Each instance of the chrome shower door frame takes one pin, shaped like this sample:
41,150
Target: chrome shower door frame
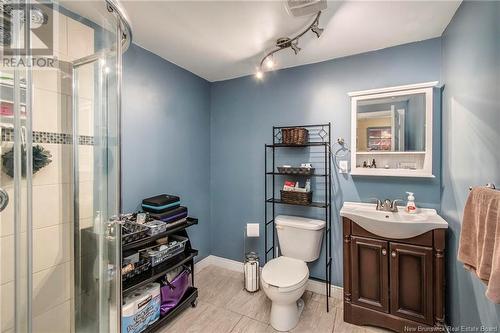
106,233
20,200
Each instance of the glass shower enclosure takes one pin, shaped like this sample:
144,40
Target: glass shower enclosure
60,93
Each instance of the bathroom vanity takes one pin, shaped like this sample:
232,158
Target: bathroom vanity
393,267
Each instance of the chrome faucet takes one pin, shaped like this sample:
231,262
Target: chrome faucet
387,205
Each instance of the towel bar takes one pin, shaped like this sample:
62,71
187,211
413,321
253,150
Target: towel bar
489,185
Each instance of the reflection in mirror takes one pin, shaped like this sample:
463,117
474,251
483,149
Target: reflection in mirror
394,123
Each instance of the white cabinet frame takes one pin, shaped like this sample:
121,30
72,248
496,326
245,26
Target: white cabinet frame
421,88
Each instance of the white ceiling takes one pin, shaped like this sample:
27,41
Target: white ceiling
219,40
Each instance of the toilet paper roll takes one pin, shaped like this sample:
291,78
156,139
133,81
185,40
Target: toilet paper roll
128,307
252,230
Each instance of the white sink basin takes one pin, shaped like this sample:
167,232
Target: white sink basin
398,225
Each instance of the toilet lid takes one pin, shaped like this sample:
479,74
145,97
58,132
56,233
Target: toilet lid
284,272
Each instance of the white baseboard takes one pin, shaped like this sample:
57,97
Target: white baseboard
232,265
237,266
319,287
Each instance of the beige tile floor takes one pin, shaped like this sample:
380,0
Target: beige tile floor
225,307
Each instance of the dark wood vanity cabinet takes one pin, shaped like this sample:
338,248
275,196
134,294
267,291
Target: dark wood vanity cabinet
393,283
370,278
411,285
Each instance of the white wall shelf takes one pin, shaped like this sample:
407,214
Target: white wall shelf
390,152
390,173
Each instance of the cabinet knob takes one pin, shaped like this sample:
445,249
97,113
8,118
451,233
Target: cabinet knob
393,254
384,252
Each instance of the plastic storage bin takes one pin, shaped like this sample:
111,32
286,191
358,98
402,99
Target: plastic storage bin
131,270
160,253
155,227
132,232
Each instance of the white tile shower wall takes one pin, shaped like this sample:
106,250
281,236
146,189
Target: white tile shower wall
51,287
85,116
52,187
56,319
50,111
7,299
80,39
7,272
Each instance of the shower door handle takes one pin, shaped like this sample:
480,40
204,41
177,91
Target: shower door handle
4,199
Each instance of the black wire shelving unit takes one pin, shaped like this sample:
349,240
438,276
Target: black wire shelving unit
186,258
319,137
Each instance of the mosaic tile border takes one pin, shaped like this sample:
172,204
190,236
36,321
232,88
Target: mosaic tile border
49,137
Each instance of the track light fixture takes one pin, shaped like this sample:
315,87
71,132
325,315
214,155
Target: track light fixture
317,30
269,62
295,47
285,43
259,75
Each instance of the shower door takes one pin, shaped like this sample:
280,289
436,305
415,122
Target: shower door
96,82
96,182
15,179
60,169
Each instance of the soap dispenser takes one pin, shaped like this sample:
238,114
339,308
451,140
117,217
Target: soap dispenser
411,208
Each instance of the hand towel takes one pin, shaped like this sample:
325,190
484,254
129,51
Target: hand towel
479,247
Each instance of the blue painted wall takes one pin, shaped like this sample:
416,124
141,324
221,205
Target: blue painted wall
205,141
243,112
165,137
471,137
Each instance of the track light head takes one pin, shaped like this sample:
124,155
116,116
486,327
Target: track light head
317,30
259,75
269,62
295,47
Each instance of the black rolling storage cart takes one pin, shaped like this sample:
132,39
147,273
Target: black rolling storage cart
154,273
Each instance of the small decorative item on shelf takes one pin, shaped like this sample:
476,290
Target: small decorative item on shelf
295,136
296,170
407,165
141,218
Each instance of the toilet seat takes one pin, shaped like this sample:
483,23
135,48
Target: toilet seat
284,273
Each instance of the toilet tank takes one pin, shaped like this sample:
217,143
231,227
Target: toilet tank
299,237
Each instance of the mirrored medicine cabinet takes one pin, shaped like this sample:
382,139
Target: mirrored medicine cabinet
391,131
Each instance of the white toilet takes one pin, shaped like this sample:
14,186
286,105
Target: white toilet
284,278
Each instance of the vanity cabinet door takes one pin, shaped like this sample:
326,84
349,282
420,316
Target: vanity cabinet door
411,282
370,281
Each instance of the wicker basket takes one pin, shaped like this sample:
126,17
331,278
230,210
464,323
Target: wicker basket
296,171
295,136
296,198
